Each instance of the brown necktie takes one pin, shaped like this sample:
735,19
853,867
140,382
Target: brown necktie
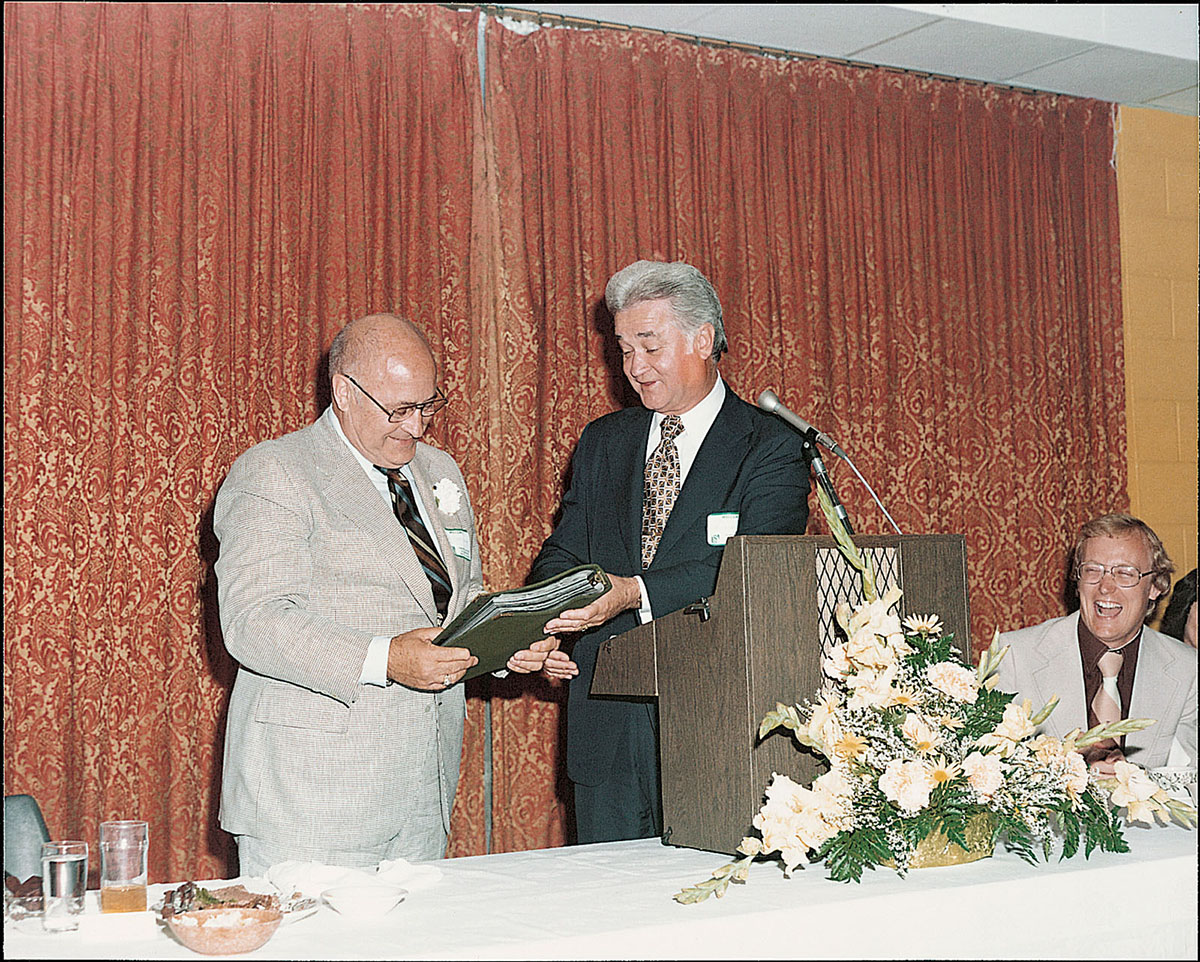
405,507
1107,703
661,487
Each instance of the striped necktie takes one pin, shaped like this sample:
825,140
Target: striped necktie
405,506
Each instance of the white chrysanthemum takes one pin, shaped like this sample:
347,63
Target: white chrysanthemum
984,773
943,771
924,739
955,680
908,784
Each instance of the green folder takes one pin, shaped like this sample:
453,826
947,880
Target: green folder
496,626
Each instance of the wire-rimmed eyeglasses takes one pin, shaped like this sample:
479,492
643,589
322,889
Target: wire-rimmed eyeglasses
1126,576
427,409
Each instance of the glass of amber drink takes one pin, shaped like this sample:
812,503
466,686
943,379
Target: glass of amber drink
123,849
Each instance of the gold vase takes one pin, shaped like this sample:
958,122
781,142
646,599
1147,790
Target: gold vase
935,850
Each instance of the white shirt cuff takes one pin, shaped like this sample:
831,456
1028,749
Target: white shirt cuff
374,669
644,612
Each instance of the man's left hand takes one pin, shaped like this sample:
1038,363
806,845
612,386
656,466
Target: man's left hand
532,658
626,593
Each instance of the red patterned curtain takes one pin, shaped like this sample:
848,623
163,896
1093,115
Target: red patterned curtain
928,270
197,197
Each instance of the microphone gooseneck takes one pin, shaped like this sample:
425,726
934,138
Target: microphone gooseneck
769,402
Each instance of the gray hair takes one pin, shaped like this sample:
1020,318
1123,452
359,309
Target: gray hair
692,297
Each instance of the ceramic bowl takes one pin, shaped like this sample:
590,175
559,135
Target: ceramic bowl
225,931
364,900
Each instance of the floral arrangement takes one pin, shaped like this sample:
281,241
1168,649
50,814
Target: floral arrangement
922,748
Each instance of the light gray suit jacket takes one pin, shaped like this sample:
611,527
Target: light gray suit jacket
1044,661
312,565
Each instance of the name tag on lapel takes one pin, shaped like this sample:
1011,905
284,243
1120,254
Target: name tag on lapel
721,527
460,542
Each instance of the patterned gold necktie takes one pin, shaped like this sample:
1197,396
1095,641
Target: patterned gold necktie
405,507
1107,703
661,487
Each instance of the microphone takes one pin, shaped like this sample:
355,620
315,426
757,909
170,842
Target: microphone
769,401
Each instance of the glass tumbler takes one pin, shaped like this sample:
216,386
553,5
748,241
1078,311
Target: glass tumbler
64,882
124,846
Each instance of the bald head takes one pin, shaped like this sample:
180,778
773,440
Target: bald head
377,364
366,339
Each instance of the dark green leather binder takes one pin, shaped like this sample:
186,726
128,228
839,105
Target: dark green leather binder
493,627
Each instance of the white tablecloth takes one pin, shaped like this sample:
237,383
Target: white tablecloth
614,901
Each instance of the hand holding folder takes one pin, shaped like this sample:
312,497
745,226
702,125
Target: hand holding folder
495,626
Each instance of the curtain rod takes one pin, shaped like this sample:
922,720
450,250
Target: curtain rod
546,19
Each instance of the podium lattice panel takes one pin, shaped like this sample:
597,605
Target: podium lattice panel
838,581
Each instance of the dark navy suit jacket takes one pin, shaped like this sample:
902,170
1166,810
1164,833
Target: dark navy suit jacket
750,463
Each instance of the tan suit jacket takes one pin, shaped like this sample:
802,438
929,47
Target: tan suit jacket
1044,661
312,565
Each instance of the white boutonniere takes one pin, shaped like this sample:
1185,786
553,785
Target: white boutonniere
448,497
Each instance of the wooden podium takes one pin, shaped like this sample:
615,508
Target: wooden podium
717,667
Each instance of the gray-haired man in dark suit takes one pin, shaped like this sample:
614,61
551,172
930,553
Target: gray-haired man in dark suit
655,493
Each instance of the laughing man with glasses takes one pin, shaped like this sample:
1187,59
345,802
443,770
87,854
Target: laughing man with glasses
1105,660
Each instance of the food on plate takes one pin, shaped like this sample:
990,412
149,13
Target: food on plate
190,897
30,888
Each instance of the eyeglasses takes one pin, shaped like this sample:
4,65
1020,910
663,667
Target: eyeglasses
427,408
1126,576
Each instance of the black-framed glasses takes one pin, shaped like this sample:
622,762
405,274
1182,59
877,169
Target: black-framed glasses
427,408
1126,576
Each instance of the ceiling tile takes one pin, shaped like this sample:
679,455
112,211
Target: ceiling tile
977,50
1180,102
828,30
1109,73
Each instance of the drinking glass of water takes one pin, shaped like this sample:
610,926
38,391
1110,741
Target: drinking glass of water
64,882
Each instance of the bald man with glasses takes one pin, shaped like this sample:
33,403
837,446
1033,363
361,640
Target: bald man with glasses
1103,662
344,547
